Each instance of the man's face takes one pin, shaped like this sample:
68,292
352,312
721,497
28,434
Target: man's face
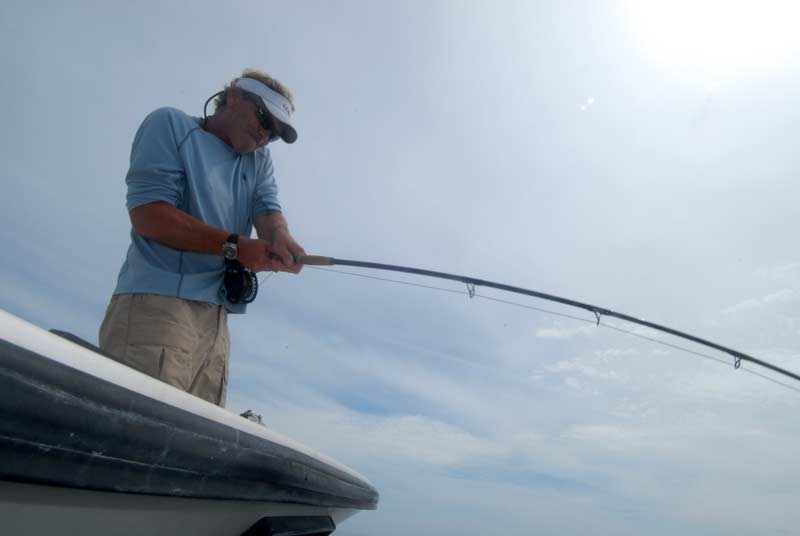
245,130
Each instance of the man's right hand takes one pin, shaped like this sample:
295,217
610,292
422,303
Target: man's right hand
256,254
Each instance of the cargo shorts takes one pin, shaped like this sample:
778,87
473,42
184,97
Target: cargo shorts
181,342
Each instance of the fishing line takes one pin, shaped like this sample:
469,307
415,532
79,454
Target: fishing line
524,306
563,315
453,291
597,311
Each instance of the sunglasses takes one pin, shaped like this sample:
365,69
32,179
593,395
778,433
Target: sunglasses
268,122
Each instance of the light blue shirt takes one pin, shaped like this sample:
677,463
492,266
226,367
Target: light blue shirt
176,161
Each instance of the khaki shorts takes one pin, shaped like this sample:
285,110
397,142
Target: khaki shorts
181,342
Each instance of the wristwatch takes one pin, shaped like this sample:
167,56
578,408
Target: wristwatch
230,249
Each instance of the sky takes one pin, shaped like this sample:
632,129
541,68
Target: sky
638,156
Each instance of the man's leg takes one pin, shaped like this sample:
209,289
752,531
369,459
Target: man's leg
210,380
181,342
152,334
114,329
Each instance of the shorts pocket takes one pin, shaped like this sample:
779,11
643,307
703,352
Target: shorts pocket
161,338
175,367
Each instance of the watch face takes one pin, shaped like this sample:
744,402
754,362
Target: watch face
229,250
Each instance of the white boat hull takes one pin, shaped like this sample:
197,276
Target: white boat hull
35,510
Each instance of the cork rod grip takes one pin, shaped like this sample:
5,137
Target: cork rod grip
315,260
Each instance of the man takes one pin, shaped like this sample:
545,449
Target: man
196,189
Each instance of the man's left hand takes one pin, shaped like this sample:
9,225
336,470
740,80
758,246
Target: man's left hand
283,251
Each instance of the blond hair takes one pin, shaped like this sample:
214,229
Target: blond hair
262,77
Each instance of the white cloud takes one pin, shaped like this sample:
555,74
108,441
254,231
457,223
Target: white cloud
614,352
357,437
779,272
563,333
424,440
573,383
780,296
578,365
611,437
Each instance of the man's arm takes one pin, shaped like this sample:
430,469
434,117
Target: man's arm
163,223
273,228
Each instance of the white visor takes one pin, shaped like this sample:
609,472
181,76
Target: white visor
277,104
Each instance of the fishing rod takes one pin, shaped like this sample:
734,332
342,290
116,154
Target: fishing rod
599,312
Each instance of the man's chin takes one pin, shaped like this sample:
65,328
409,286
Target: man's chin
244,148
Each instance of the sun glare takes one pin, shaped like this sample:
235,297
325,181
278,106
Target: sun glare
716,37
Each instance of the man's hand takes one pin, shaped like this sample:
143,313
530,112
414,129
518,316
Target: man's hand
273,229
284,249
257,255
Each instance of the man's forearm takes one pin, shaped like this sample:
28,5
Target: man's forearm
175,228
267,224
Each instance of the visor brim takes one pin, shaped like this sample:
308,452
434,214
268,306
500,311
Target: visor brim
288,133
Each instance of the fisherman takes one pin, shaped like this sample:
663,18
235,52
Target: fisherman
196,189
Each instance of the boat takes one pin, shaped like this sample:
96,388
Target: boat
89,446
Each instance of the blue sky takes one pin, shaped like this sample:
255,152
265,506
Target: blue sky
638,158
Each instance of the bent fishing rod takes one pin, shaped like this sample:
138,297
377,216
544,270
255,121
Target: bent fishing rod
599,312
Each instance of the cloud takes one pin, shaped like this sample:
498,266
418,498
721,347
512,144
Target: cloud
781,296
614,352
577,365
519,476
563,333
356,437
612,437
632,409
778,272
425,440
